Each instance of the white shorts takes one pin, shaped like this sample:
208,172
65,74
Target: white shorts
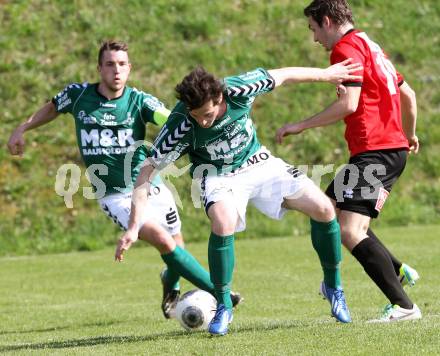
263,180
161,208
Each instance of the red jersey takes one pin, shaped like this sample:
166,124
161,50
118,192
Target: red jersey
376,124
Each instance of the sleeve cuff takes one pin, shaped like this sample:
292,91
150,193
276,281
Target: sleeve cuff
352,84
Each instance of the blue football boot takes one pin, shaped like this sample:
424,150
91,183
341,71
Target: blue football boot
219,324
337,301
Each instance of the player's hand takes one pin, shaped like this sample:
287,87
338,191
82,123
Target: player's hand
413,144
343,71
288,129
124,243
16,143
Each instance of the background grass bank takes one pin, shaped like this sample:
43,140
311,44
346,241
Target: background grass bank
46,45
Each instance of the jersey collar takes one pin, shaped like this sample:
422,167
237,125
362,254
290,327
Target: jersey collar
348,32
106,99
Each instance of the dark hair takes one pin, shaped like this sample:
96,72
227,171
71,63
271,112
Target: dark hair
199,87
337,10
111,46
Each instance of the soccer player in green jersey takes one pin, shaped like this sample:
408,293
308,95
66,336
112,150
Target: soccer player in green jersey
212,124
110,120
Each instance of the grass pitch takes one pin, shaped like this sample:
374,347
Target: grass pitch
84,303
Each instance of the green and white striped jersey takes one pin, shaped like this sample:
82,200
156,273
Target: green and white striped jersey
227,144
110,133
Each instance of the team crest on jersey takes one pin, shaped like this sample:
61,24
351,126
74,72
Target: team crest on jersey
129,120
86,119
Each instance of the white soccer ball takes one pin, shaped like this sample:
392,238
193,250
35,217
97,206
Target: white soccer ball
195,310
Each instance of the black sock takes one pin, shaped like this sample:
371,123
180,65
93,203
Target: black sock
396,263
377,263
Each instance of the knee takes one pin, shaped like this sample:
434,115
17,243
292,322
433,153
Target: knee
325,212
352,235
223,228
347,233
178,238
165,243
223,218
223,224
159,238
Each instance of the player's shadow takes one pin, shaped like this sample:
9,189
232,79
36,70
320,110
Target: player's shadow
117,339
100,340
58,328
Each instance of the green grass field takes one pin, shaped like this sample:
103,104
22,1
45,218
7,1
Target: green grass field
84,303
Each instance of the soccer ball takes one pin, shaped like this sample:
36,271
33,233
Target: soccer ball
195,310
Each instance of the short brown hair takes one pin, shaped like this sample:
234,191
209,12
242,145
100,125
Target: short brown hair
337,10
199,87
111,45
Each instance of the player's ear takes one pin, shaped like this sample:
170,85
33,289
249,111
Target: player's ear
326,22
218,100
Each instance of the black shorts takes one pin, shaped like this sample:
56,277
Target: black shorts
364,184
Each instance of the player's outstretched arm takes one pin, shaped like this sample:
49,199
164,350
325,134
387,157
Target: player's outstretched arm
344,106
16,141
336,74
138,204
408,103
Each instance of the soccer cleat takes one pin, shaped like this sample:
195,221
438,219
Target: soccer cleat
408,275
236,298
337,301
392,313
170,297
219,324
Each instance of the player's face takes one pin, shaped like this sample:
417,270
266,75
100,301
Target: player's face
114,69
209,112
321,34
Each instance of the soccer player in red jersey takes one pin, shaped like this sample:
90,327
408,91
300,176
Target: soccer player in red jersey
380,115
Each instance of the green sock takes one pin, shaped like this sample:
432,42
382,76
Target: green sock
182,262
221,265
171,278
326,240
